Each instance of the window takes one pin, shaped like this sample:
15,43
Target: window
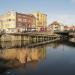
9,19
19,19
24,20
37,14
8,14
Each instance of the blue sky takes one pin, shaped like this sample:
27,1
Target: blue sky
60,10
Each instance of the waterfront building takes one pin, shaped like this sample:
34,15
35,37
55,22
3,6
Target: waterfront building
62,27
25,22
71,28
13,21
41,21
8,21
49,30
0,24
55,26
66,28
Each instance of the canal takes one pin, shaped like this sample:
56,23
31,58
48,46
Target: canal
50,59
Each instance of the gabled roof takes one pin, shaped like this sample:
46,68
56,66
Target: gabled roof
55,23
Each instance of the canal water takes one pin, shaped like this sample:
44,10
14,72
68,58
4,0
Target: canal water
50,59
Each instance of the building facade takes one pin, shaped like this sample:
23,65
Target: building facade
25,22
0,24
8,20
62,28
41,21
55,26
69,28
14,21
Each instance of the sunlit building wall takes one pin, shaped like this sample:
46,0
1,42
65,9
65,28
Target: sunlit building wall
41,21
8,21
11,21
0,24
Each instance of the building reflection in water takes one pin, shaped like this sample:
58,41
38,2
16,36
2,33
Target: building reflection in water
12,53
23,55
13,44
18,44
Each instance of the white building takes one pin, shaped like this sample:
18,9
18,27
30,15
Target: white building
62,27
55,26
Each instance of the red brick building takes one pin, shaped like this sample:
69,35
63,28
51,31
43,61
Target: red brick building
25,22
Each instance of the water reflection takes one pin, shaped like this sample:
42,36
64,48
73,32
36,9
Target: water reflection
20,44
15,54
13,44
23,55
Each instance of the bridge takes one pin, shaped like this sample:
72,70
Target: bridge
66,33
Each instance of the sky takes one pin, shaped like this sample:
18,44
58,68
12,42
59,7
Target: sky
62,11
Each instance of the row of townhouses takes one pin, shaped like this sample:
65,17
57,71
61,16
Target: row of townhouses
20,22
12,22
56,26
